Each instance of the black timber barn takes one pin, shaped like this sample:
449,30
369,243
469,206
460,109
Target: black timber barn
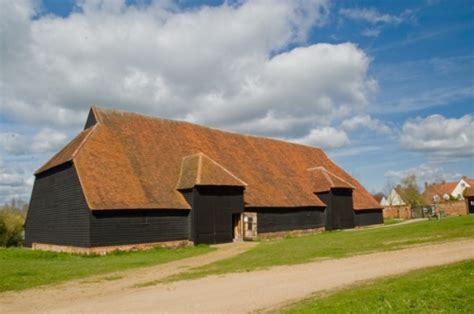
128,180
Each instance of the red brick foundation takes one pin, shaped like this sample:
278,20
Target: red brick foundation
103,250
282,234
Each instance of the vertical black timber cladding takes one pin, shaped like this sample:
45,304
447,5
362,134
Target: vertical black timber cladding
368,217
119,227
58,212
287,219
326,198
342,208
339,213
212,211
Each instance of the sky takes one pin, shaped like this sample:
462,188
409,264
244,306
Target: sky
384,87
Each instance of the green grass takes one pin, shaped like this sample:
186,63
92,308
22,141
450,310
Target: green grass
392,221
447,289
23,268
337,244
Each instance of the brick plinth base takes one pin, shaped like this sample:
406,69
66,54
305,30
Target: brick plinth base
282,234
103,250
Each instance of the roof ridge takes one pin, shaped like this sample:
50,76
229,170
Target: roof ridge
148,116
84,140
199,169
225,169
327,174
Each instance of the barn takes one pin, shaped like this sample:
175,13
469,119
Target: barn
129,180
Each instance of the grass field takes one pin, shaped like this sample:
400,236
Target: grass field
337,244
392,221
22,268
447,289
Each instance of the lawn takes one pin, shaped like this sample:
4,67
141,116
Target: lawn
23,268
337,244
447,289
392,221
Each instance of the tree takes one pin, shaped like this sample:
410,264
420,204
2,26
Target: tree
12,219
410,192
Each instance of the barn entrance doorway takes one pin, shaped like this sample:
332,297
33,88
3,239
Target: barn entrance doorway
215,214
237,227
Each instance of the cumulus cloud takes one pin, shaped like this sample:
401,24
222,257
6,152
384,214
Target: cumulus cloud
425,173
46,140
231,66
371,32
327,137
375,17
225,66
441,137
365,121
15,182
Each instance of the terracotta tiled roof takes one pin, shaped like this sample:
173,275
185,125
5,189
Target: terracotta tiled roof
198,169
469,192
324,180
131,161
469,181
438,189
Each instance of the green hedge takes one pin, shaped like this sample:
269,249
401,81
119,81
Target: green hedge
11,228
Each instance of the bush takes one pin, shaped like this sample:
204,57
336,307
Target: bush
11,228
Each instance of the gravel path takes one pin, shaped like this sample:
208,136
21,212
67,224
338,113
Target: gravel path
110,284
245,292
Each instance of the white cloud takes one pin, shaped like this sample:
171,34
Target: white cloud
327,137
442,138
45,141
15,182
375,17
226,66
13,143
424,173
367,122
222,66
48,140
371,32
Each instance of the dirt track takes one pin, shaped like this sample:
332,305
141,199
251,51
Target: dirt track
243,292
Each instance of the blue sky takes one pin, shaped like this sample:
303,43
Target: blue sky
385,88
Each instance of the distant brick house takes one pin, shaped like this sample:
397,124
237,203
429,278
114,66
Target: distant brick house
448,196
394,206
130,180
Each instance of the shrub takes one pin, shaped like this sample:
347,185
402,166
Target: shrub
11,228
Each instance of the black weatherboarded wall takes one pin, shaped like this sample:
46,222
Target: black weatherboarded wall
58,212
117,227
368,217
339,213
286,219
213,207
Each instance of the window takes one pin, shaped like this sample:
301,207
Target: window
249,223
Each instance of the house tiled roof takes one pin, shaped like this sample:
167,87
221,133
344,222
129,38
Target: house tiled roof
324,180
438,189
469,192
131,161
